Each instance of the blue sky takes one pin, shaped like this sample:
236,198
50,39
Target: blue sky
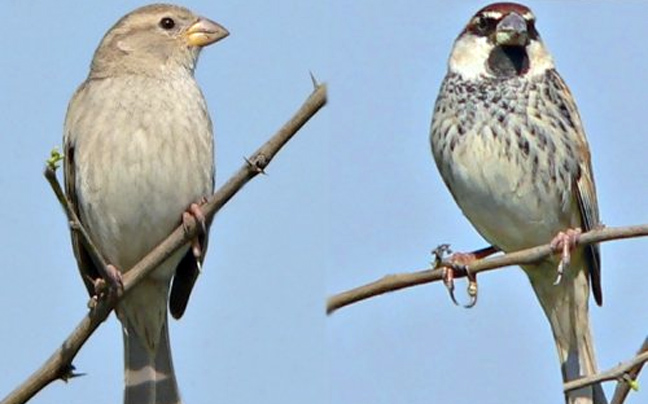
353,197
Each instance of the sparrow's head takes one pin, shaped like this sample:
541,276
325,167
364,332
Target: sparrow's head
500,41
152,38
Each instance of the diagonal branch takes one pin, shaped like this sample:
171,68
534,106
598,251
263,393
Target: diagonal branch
391,283
59,365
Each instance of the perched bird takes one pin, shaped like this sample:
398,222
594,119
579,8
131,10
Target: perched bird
510,145
138,153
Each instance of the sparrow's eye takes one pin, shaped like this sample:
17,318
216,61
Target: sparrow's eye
483,25
167,23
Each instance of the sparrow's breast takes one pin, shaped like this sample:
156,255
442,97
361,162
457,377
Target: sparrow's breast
136,178
499,155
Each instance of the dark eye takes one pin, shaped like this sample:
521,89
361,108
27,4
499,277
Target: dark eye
167,23
483,25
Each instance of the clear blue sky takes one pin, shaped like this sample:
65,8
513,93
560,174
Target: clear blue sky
354,197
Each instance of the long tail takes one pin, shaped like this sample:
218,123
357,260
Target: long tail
566,307
149,376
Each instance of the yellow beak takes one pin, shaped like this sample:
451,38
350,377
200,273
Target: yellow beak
205,32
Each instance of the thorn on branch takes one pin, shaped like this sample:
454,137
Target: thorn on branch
68,372
314,80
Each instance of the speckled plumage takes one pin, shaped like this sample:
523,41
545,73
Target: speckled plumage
509,143
138,152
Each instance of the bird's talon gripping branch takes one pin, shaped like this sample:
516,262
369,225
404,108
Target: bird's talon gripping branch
438,253
195,213
459,263
472,290
115,278
448,281
111,283
565,242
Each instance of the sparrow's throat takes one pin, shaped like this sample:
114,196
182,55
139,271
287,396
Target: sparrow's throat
508,61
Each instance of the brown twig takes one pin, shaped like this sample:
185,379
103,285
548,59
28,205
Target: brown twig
632,372
391,283
59,364
618,372
75,223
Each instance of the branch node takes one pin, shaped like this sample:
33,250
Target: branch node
258,163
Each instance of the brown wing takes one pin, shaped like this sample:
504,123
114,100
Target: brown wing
87,267
185,277
584,188
586,196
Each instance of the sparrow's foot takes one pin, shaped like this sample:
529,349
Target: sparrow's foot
195,213
112,282
565,242
459,263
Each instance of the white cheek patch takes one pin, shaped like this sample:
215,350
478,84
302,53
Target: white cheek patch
469,56
539,58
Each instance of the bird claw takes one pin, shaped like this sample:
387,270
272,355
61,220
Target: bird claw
472,289
448,281
110,283
565,242
460,262
195,213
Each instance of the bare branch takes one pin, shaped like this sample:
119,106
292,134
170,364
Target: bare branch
391,283
58,366
619,372
632,372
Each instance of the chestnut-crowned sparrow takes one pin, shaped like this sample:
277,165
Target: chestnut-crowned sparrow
510,145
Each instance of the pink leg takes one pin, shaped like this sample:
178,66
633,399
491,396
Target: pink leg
195,213
111,282
461,261
565,242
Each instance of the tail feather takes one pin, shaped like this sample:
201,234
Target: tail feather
566,307
149,376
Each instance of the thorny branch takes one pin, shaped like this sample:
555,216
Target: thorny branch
59,365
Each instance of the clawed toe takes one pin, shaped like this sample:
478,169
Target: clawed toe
459,263
448,281
565,242
112,282
194,212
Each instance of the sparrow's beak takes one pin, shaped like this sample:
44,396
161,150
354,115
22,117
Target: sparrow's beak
512,31
205,32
